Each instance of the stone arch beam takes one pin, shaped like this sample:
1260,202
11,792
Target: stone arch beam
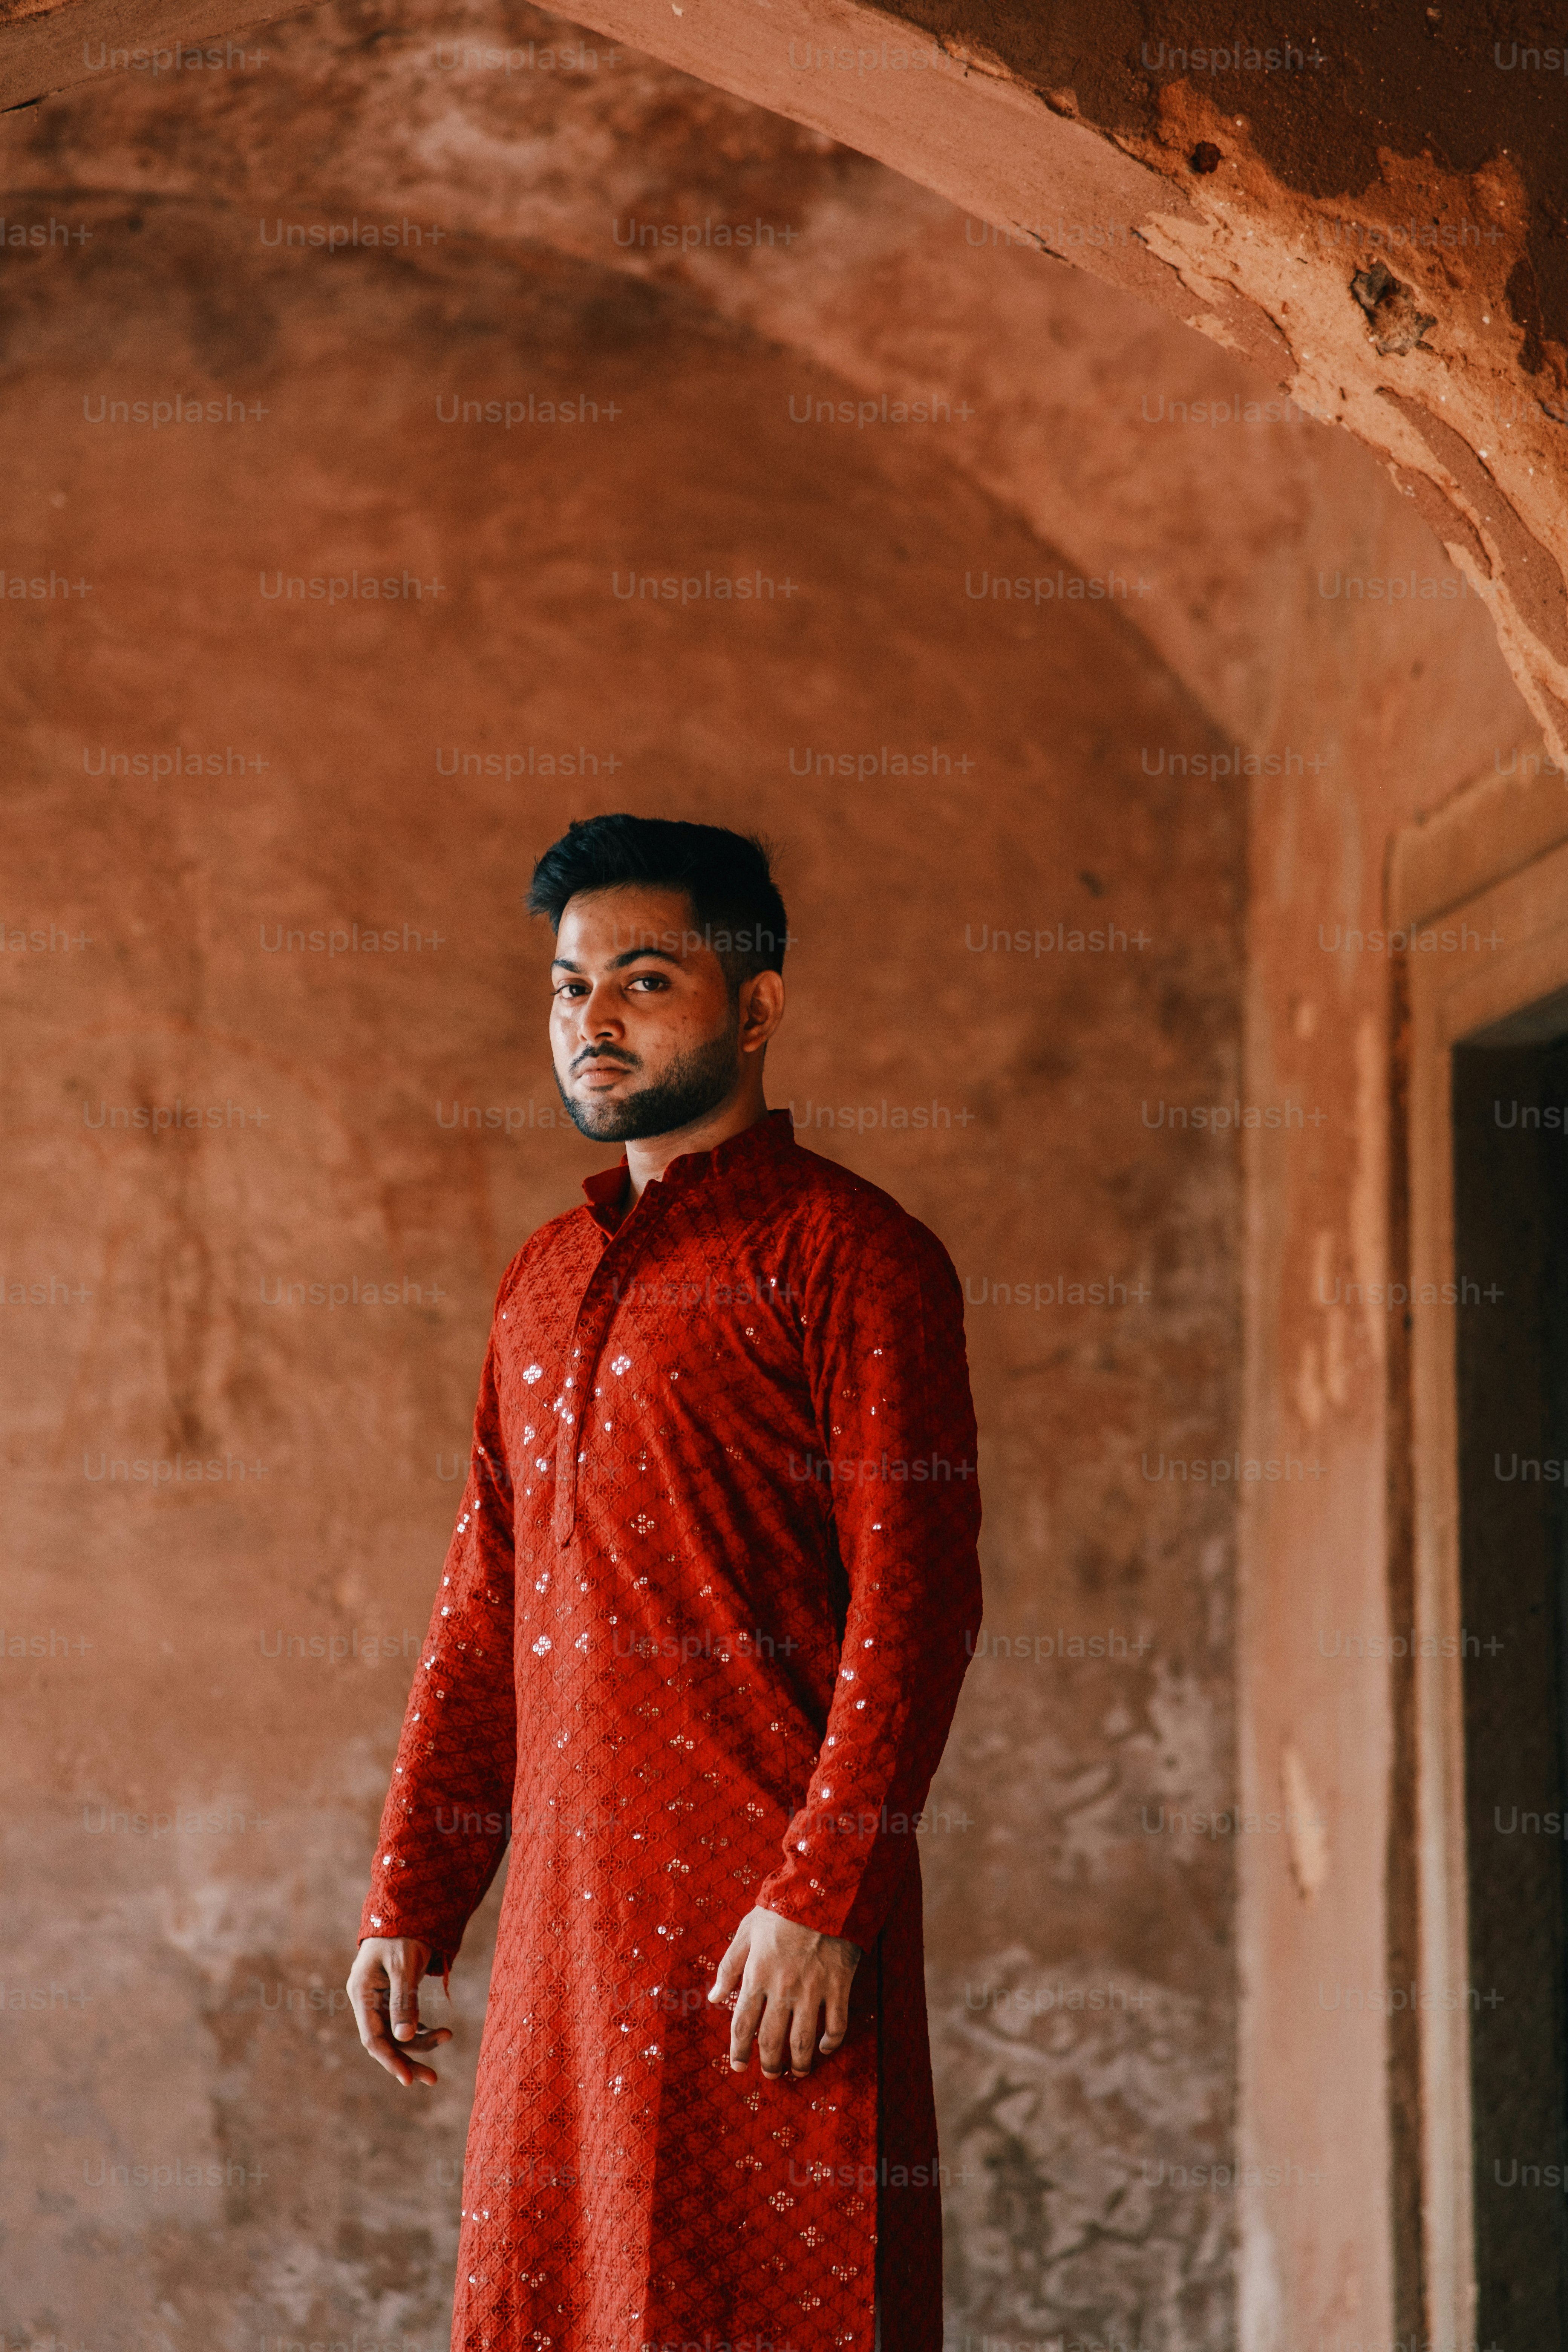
1403,282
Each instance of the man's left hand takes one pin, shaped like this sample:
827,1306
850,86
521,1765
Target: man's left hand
780,1976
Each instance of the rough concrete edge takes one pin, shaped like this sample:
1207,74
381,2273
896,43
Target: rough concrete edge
1402,1879
960,126
986,142
1261,2318
38,45
1482,833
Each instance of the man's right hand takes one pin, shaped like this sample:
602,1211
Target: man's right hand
383,1989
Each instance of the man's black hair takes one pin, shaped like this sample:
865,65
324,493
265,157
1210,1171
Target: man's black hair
727,877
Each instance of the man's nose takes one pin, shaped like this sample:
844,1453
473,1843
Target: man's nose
599,1014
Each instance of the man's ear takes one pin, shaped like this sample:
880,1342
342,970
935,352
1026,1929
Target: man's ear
762,1009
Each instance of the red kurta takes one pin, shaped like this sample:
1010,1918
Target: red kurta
697,1647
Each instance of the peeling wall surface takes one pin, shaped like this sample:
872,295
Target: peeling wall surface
1371,216
1083,677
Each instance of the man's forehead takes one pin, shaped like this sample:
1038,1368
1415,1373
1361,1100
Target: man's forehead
617,925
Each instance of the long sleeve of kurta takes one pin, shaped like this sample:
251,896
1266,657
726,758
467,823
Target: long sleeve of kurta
885,1358
448,1811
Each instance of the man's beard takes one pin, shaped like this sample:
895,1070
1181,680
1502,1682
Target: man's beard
693,1084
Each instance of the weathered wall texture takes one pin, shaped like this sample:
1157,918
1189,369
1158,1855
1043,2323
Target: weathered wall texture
1082,1944
1369,214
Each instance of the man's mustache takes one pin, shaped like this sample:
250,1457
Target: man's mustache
604,1053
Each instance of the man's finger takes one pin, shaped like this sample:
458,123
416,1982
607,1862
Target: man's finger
360,2002
429,2037
370,2012
367,1996
744,2019
732,1967
801,2032
837,2020
395,2056
405,1981
772,2041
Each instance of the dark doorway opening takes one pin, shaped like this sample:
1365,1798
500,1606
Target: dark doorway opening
1510,1273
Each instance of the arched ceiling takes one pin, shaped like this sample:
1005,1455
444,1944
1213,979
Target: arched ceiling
1373,219
1120,439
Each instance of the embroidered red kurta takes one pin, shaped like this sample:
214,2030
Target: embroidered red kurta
702,1625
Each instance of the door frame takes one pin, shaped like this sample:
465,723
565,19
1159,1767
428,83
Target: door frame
1495,862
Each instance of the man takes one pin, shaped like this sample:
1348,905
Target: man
695,1651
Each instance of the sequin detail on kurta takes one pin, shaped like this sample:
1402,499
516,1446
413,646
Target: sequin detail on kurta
699,1635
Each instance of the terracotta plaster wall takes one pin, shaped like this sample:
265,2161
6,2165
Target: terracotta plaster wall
188,1841
1328,1951
1326,1918
1084,432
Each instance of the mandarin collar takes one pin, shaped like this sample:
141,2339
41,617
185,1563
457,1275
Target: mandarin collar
764,1139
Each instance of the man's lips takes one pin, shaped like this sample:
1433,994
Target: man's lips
601,1069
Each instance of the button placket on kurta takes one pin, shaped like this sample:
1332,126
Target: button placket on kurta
597,1312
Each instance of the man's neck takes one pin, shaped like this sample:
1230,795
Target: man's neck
648,1159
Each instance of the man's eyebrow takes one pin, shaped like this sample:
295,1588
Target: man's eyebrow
627,955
